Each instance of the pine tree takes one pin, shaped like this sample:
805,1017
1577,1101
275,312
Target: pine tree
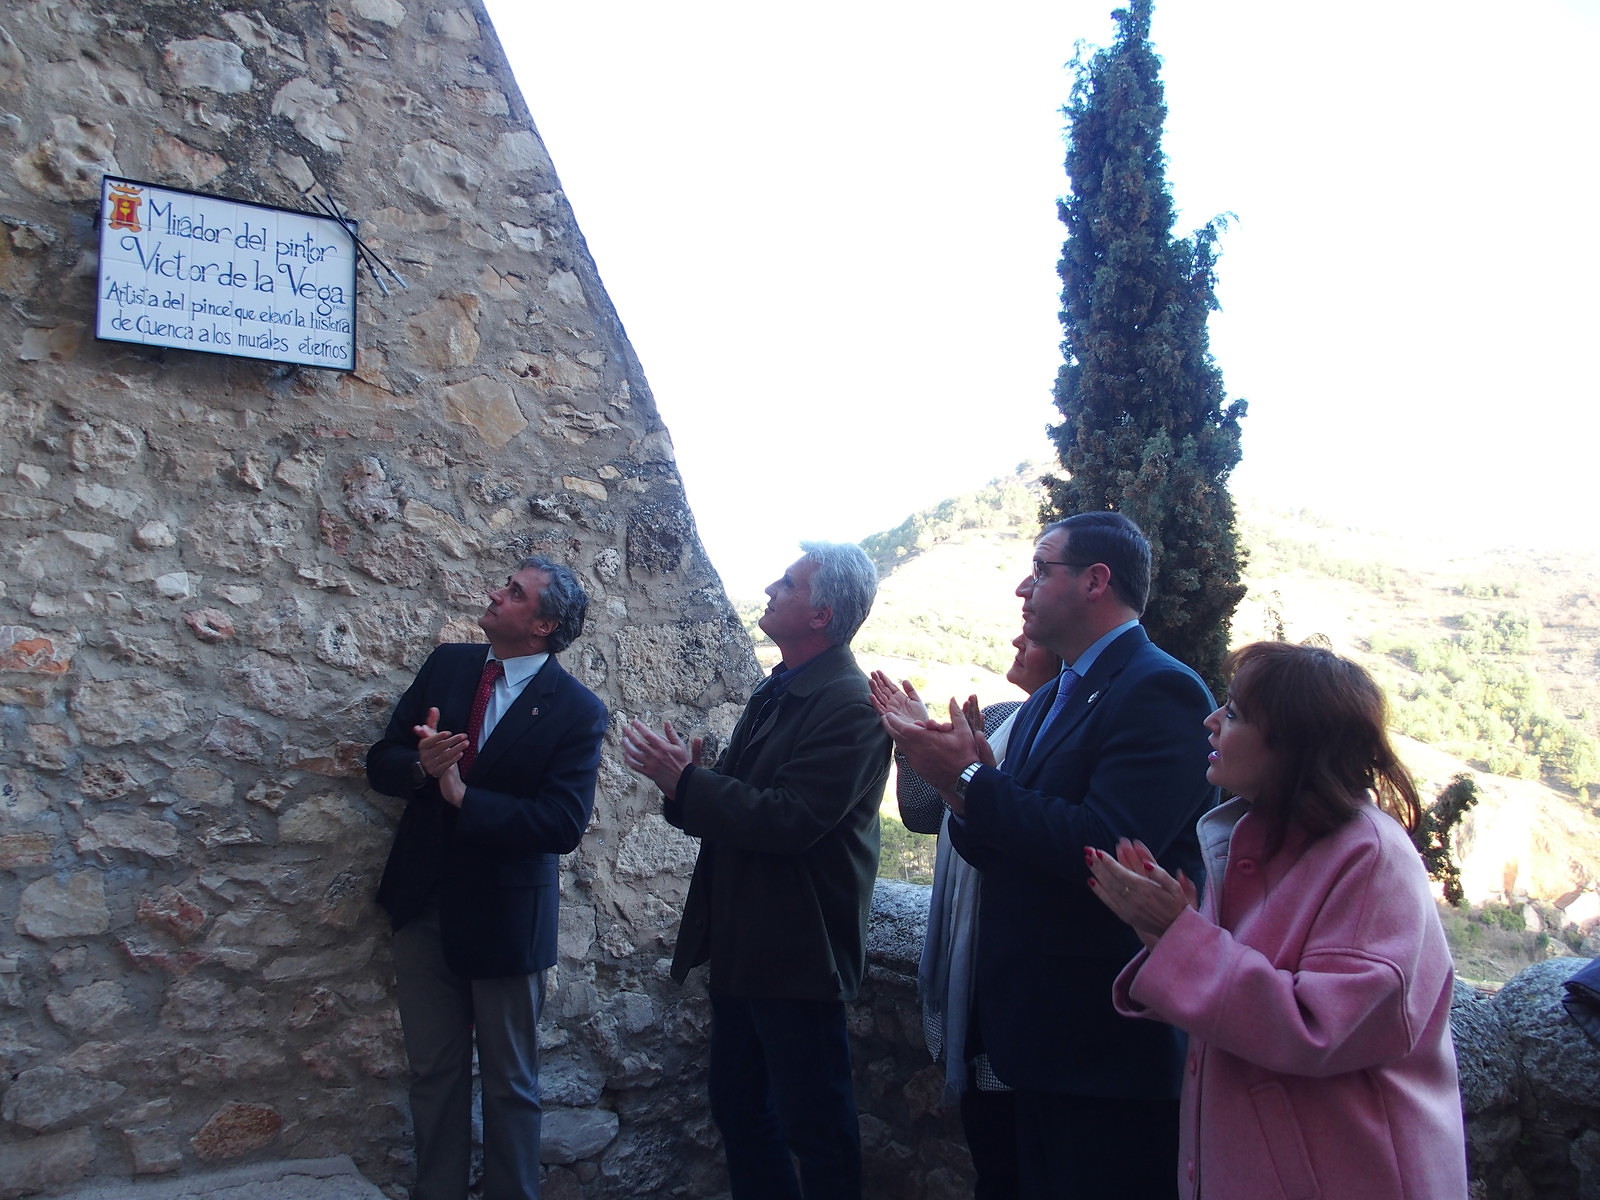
1146,427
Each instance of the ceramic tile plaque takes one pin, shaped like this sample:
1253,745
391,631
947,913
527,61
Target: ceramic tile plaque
197,272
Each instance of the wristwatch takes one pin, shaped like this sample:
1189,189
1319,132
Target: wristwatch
966,778
419,777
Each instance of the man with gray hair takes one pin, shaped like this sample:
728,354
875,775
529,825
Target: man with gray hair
471,886
788,827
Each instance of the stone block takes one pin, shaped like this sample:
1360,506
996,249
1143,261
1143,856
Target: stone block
369,495
104,447
31,652
235,1130
402,559
444,530
132,833
116,711
653,847
227,1062
23,850
91,1009
244,536
323,965
310,109
153,1151
489,406
45,1099
569,1134
442,177
32,1165
660,665
210,64
108,780
210,624
330,818
173,913
446,335
67,905
116,502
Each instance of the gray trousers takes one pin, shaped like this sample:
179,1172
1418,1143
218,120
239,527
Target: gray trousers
440,1012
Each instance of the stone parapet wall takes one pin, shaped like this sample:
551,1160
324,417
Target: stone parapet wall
218,574
911,1141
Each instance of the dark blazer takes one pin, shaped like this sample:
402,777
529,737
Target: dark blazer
788,822
492,863
1126,758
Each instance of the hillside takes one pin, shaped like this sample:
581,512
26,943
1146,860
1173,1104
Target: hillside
1491,659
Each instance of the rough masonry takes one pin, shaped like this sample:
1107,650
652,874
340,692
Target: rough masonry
219,573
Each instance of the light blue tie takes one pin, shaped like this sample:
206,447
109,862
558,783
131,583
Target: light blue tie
1066,684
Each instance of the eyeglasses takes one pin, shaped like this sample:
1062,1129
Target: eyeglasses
1039,564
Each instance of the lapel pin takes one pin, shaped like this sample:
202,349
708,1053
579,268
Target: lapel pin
1093,696
533,712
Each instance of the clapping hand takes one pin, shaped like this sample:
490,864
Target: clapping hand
659,757
439,752
888,698
1135,887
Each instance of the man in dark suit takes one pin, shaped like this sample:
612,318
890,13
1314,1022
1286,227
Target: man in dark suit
788,822
471,885
1115,748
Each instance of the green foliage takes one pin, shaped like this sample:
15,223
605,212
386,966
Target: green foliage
1489,591
903,854
942,634
1271,555
1504,633
1146,428
936,643
1005,504
1492,943
1471,693
750,616
1503,916
1432,835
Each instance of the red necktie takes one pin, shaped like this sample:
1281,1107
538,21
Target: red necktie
492,670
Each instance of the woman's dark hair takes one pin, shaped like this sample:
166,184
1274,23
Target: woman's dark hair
1325,720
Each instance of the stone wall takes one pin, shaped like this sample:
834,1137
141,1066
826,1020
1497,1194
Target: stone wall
219,573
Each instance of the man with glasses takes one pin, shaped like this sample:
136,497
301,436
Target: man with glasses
1115,748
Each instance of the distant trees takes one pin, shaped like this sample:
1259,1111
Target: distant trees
902,854
1146,429
1475,694
1005,504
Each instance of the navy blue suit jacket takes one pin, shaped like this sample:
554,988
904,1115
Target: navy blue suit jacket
1126,758
492,863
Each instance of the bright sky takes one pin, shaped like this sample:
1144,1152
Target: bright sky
830,232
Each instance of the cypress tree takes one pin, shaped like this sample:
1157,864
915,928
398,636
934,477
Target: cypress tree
1146,426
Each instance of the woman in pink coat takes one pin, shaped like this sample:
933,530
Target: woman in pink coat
1314,981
